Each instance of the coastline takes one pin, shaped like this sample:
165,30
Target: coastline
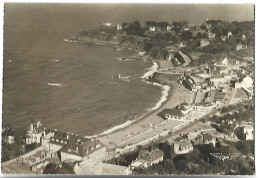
165,93
166,90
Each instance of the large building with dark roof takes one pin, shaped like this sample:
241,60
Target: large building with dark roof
146,159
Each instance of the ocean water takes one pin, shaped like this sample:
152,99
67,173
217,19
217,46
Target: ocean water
68,86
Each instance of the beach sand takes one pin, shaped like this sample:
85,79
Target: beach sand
177,95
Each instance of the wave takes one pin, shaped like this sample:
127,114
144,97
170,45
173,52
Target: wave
127,123
165,88
151,71
165,91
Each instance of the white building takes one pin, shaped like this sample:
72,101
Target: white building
119,27
107,24
246,83
204,42
248,131
169,27
182,146
152,28
35,133
229,34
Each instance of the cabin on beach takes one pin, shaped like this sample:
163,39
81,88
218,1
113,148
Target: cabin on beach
177,113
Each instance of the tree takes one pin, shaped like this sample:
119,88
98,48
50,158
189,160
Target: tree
63,168
181,166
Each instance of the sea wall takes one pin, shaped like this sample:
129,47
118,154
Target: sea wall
165,79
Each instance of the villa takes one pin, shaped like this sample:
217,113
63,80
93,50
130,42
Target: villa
119,27
182,146
35,133
152,28
248,131
204,42
146,159
177,113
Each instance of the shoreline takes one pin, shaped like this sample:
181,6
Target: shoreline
166,92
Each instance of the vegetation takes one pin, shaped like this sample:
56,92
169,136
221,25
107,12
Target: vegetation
18,147
63,168
12,150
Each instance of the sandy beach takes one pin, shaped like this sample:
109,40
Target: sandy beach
177,95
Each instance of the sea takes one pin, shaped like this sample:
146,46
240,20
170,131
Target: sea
84,89
76,87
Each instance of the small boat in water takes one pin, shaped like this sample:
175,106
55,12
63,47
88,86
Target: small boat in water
55,84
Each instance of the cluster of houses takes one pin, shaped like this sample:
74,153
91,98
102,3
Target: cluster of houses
215,81
59,146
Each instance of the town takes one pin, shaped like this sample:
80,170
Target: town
208,120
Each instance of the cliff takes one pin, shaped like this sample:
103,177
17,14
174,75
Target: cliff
111,36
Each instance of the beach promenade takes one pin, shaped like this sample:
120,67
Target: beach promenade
151,126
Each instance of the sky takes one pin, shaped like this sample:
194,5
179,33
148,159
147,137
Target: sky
118,13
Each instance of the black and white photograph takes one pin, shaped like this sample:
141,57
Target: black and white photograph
128,89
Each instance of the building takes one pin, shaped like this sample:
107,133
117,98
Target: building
204,42
83,150
240,47
35,133
146,159
223,38
169,28
247,82
211,35
205,138
107,24
223,62
181,59
243,37
182,146
119,27
177,113
152,28
229,34
248,131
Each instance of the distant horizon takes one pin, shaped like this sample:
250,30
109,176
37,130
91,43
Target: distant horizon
94,14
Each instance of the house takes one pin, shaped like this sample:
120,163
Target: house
229,34
182,146
37,156
169,28
204,42
223,38
247,82
181,59
243,37
223,70
177,113
240,47
223,62
248,131
83,150
146,159
39,168
205,138
107,24
119,27
211,35
152,28
35,133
